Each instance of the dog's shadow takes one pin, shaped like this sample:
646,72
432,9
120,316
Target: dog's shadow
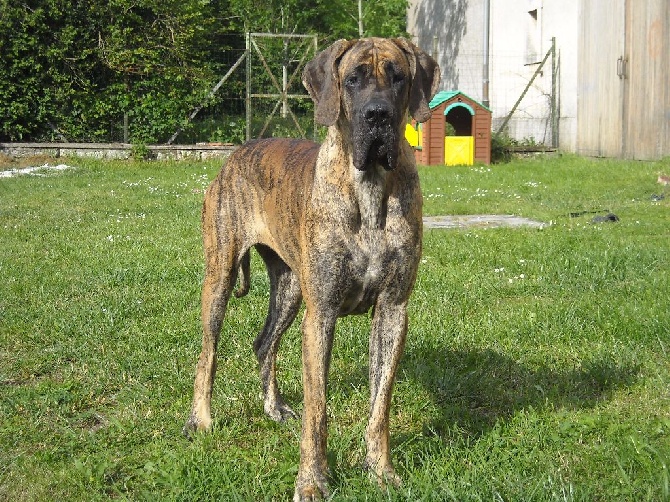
475,389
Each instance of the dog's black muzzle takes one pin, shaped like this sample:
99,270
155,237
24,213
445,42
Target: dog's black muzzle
376,135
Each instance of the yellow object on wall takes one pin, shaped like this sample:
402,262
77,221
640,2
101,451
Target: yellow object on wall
459,150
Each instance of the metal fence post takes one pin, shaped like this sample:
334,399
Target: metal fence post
554,100
247,101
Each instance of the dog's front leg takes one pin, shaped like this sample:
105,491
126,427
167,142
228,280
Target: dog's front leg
317,341
387,341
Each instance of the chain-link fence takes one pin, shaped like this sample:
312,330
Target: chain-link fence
260,94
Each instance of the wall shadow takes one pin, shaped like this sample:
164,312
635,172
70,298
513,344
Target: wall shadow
474,389
445,19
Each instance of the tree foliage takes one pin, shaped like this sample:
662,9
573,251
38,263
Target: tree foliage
73,69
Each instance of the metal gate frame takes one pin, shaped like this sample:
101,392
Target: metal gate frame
553,104
281,96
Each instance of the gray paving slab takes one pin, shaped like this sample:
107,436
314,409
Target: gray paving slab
480,221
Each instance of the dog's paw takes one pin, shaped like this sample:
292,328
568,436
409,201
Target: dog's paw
384,475
193,425
189,428
308,494
311,487
388,477
279,411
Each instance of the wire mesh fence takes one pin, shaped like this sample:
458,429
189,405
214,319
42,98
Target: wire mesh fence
277,102
221,115
262,93
516,84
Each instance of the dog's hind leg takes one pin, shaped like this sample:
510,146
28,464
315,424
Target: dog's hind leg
222,259
245,271
285,299
215,293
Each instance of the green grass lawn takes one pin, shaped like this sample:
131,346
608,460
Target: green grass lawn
536,368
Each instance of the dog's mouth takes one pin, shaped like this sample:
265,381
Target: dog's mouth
376,147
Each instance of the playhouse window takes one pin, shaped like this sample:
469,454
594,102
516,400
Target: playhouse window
458,119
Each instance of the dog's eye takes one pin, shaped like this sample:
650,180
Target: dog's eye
394,74
398,78
352,81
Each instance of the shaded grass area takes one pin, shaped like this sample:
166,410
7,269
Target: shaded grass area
536,368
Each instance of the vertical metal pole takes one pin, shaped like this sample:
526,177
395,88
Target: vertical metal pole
284,80
126,132
247,101
125,127
485,70
554,110
316,50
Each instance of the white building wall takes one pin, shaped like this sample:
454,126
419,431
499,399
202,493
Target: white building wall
519,37
562,21
452,31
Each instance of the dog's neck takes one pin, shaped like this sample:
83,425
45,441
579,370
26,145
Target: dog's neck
371,193
369,188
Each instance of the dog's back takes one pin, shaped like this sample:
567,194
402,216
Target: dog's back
263,186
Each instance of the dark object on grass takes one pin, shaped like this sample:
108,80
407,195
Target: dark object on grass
604,219
657,197
582,213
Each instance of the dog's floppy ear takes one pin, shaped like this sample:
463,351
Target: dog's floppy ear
321,80
425,79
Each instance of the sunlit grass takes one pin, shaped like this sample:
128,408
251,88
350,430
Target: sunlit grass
536,368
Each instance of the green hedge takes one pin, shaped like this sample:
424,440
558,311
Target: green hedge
75,70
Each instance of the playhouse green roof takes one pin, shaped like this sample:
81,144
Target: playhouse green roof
443,96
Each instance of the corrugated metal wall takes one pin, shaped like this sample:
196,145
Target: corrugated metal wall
624,79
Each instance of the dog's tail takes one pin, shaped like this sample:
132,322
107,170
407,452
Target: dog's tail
243,275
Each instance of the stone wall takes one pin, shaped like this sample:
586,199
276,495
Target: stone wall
116,150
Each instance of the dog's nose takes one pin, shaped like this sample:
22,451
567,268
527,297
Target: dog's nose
377,113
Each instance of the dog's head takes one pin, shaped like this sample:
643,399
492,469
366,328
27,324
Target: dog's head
370,85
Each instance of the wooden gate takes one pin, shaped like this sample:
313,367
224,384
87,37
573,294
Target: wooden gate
276,102
624,68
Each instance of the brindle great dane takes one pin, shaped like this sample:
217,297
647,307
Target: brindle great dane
338,227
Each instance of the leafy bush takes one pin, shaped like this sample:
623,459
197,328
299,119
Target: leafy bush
500,148
74,70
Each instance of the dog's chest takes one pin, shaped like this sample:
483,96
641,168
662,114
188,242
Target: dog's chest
370,242
372,266
369,253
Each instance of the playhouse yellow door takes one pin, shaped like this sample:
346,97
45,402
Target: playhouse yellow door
459,150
